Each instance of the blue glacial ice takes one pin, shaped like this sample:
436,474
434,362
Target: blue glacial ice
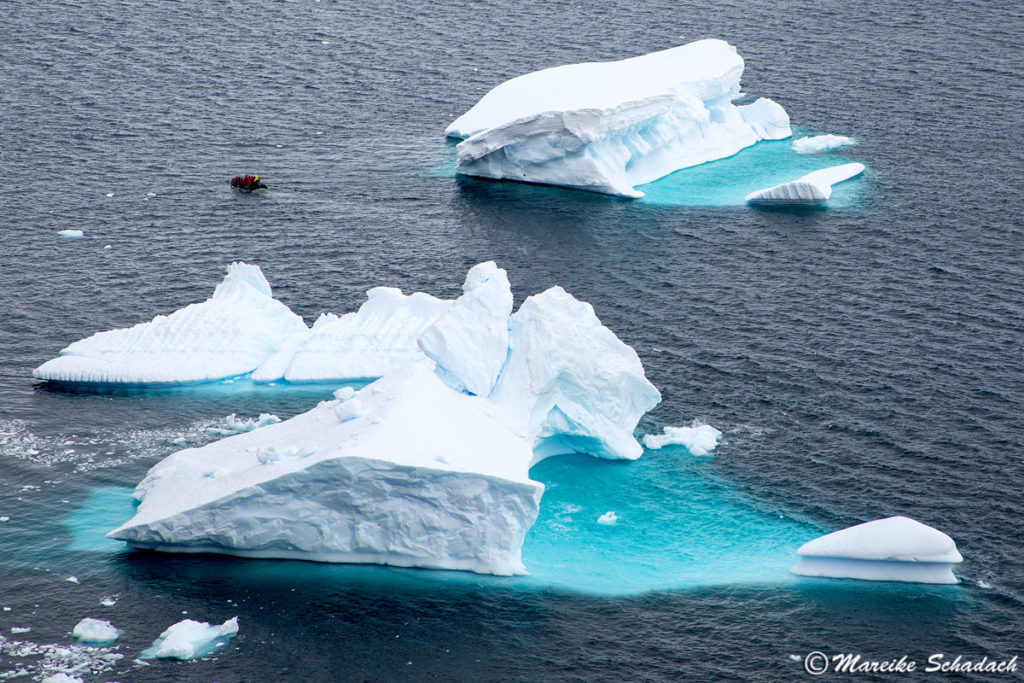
189,639
415,469
608,127
890,549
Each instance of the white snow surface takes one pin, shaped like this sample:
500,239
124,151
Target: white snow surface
95,631
230,334
821,143
890,549
609,126
812,189
415,469
190,639
698,439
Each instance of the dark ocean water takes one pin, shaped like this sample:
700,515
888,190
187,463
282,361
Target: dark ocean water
863,361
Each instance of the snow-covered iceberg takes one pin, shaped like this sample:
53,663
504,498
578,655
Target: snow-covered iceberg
610,126
821,143
230,334
189,639
425,467
810,190
890,549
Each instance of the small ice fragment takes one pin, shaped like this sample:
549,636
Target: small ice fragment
5,518
348,410
7,609
608,519
821,143
699,439
190,639
344,393
151,194
62,678
325,42
109,601
72,579
796,658
982,583
70,234
110,194
20,629
107,246
95,632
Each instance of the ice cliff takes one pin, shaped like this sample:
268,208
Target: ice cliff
890,549
610,126
428,466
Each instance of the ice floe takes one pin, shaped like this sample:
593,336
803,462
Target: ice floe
890,549
809,190
190,639
698,439
95,632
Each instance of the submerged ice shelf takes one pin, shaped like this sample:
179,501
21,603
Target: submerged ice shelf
610,126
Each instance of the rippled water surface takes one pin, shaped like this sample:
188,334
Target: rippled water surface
863,360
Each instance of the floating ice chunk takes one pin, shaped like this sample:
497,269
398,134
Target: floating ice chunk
70,234
469,343
95,632
821,143
20,629
363,345
698,439
5,518
190,639
72,579
235,425
230,334
609,126
570,385
109,601
811,190
62,678
608,519
890,549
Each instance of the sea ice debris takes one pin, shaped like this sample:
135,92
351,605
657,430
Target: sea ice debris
70,234
699,439
95,632
890,549
608,519
62,678
610,126
810,190
821,143
190,639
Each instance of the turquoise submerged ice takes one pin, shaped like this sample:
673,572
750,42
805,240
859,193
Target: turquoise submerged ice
415,469
608,127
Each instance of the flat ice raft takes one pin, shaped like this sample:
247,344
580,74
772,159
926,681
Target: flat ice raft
891,549
812,189
426,467
609,126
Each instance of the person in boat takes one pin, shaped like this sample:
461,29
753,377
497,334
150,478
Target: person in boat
247,183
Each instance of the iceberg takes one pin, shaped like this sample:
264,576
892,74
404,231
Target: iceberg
890,549
190,639
230,334
71,234
698,439
95,632
416,469
821,143
610,126
812,189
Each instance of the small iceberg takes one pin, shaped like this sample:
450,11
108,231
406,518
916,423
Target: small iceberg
891,549
821,143
70,234
812,189
190,639
95,632
608,519
698,439
610,126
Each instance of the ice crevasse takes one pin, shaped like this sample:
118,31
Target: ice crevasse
610,126
428,466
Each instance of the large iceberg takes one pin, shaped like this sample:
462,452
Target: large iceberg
230,334
609,126
812,189
427,466
890,549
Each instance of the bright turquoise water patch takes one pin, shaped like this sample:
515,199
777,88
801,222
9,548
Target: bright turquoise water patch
727,182
106,508
677,528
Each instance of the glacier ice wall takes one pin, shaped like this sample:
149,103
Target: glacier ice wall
607,127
